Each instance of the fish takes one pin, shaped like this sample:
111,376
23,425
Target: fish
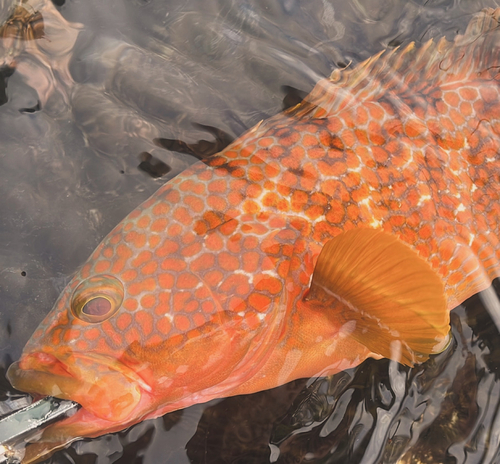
344,228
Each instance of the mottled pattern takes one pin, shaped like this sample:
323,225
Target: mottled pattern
407,142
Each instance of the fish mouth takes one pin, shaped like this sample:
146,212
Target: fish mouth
103,386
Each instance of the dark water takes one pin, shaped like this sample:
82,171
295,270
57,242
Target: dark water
80,107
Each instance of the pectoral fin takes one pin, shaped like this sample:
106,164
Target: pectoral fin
387,290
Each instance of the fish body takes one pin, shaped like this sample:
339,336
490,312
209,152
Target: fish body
294,252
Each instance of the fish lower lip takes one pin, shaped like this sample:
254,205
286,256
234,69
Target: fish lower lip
101,388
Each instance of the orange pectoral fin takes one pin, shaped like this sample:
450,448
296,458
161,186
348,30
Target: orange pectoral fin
391,295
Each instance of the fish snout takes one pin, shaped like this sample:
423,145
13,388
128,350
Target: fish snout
103,389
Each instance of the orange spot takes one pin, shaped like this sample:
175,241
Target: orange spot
118,266
174,230
465,109
236,283
375,133
159,225
173,264
102,346
109,330
146,285
132,335
143,222
154,240
393,127
228,262
92,334
228,227
415,128
199,319
468,93
380,155
168,247
114,239
250,243
130,304
289,138
163,305
246,151
217,186
202,263
362,136
82,345
164,326
182,323
309,140
195,203
166,280
187,280
180,300
269,284
376,111
123,251
272,169
123,321
145,321
149,268
85,272
352,179
275,151
252,321
217,203
148,301
266,142
451,98
191,250
107,252
489,94
213,278
191,306
182,215
251,207
102,266
253,190
161,208
129,275
214,242
283,269
259,302
71,334
143,257
314,212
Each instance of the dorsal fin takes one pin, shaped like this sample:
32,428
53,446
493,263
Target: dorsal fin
403,71
391,294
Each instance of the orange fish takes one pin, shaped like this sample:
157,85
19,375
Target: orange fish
344,228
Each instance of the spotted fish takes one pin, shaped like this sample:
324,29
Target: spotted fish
344,228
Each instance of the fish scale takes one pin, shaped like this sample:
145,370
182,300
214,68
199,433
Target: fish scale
217,264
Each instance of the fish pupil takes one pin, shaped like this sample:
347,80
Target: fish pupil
97,307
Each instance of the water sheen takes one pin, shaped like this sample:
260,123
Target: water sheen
81,103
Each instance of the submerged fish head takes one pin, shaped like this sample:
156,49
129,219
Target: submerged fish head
143,329
60,359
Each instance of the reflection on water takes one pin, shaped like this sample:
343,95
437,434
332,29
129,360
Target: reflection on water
111,99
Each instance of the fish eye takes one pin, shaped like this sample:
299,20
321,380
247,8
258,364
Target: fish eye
97,307
97,298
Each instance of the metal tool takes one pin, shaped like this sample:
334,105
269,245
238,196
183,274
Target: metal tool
21,423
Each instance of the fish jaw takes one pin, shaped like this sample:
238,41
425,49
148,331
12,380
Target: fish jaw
104,387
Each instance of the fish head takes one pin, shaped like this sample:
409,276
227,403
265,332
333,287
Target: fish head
142,329
61,360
